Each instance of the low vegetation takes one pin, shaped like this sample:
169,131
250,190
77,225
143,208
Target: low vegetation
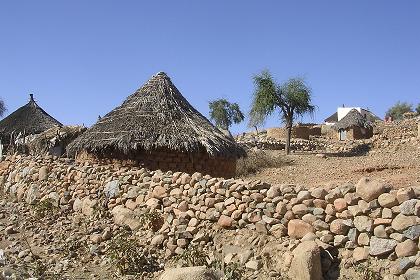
258,160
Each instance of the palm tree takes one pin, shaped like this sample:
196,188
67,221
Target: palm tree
291,99
224,113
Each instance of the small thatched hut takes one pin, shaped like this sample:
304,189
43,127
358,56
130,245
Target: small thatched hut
157,128
354,126
27,120
54,141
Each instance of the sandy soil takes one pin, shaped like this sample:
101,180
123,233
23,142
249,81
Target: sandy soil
400,167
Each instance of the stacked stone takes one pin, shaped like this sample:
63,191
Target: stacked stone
262,141
367,219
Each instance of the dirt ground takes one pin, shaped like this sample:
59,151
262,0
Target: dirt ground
398,166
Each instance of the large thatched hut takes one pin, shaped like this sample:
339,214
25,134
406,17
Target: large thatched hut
29,119
354,126
157,127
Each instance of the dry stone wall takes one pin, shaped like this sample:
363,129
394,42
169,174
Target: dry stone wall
367,220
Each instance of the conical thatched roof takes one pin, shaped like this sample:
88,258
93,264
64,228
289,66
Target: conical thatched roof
353,118
155,116
30,119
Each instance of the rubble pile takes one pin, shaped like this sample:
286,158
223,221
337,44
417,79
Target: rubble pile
364,221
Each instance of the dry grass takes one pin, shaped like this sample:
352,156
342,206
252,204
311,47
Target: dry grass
258,160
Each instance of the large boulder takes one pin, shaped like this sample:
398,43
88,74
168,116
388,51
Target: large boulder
125,217
190,273
370,189
306,263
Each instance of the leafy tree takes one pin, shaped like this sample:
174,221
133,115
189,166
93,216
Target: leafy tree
291,99
224,113
397,111
418,109
2,107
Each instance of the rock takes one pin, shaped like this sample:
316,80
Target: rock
77,205
363,239
273,192
225,221
400,266
88,206
300,209
380,232
10,230
369,189
159,192
339,227
401,222
406,248
405,194
319,193
43,173
412,274
380,246
253,265
191,273
408,207
363,223
387,200
412,232
298,228
124,216
361,254
183,206
157,241
112,189
95,238
32,194
340,204
306,263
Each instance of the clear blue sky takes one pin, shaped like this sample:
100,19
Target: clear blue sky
82,58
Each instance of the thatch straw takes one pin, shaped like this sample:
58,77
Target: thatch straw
28,119
54,136
352,119
155,116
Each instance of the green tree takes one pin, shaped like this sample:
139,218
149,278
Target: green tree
397,111
224,113
418,109
291,99
2,107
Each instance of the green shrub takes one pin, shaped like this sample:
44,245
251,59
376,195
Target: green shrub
130,257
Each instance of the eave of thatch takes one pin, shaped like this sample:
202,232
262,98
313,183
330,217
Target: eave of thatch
28,119
156,116
332,119
352,119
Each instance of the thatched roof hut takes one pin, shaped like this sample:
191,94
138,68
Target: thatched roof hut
155,118
55,140
353,119
354,126
28,119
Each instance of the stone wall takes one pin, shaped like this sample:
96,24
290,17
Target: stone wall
170,160
367,221
300,132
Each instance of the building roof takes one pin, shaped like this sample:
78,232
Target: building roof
369,115
352,119
30,119
155,116
332,119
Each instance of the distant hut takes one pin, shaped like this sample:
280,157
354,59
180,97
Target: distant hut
354,126
54,141
27,120
157,127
